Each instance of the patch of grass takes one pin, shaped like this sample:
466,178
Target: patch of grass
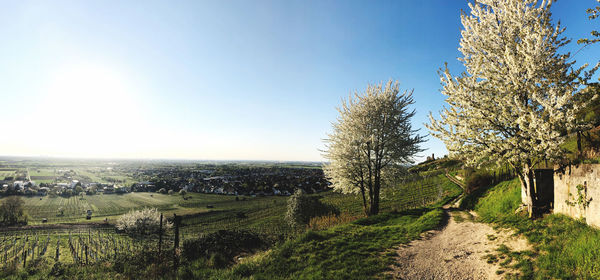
499,203
507,260
491,258
461,216
458,217
571,248
518,264
351,251
564,248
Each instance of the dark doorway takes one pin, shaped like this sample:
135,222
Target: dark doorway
544,189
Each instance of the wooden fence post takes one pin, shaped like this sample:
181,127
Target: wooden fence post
24,256
175,256
176,221
57,249
160,235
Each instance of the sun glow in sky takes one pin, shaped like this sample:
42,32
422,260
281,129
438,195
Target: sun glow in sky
95,107
225,80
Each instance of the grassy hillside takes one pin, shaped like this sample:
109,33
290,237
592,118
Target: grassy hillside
358,250
500,202
355,250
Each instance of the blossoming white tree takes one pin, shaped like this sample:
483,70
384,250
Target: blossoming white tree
142,222
372,138
516,102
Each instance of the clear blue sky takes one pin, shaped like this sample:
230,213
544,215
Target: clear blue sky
217,79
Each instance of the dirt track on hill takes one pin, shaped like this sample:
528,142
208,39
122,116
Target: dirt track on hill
65,226
455,251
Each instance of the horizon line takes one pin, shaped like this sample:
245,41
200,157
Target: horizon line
155,159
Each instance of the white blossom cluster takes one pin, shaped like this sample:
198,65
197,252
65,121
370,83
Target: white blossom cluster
142,222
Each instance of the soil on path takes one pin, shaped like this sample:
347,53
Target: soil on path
455,251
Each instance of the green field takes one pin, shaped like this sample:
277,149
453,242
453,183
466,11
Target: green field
112,205
6,173
42,172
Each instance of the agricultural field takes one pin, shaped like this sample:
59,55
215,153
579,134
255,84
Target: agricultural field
40,175
4,173
81,246
102,175
65,171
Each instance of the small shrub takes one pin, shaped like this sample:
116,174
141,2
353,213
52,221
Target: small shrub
142,222
301,208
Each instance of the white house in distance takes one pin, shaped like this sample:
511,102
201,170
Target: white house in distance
109,189
18,185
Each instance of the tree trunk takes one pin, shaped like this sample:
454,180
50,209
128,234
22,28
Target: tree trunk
528,189
376,188
362,192
375,204
579,150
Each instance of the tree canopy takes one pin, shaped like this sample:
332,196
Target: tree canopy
12,211
594,13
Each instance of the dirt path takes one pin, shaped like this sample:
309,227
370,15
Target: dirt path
456,251
64,226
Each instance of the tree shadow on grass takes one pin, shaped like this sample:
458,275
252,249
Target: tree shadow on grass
471,199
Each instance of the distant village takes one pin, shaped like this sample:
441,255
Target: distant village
236,181
63,189
227,180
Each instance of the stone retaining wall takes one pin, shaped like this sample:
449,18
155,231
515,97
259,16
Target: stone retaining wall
577,192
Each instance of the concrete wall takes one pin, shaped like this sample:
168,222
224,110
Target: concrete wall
565,183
